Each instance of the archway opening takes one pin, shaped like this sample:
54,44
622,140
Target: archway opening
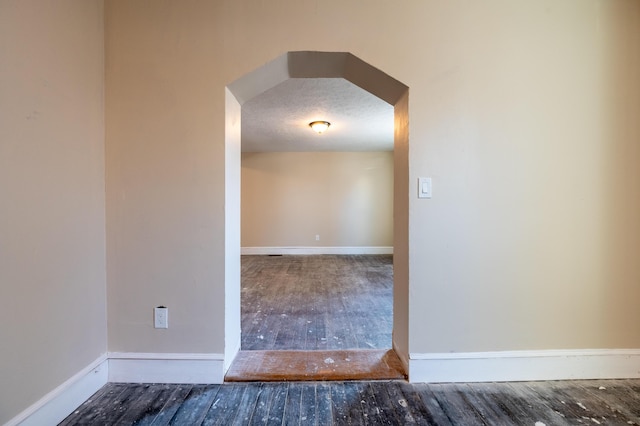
316,65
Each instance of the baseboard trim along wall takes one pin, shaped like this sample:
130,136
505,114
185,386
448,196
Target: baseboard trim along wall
60,402
123,367
165,368
314,250
524,365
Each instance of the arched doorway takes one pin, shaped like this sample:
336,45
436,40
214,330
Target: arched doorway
316,65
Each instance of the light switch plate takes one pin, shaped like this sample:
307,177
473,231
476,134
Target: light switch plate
424,187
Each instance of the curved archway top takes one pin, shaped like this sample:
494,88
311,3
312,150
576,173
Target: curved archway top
309,64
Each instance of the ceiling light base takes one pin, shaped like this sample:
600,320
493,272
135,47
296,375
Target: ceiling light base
319,126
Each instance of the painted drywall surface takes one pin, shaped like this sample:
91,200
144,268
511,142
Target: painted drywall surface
521,112
531,140
401,229
514,116
165,176
52,238
232,277
346,198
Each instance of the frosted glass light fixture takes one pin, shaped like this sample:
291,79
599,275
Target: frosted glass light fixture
319,126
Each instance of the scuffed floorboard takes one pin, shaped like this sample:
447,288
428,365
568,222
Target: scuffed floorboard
268,366
602,402
327,302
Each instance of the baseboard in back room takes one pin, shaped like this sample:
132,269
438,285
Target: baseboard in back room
314,250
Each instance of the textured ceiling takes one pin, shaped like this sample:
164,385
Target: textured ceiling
278,119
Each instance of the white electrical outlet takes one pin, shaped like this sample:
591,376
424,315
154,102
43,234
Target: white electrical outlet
161,317
317,237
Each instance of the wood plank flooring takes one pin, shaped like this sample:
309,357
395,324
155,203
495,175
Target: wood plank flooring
338,303
601,402
317,302
358,364
300,311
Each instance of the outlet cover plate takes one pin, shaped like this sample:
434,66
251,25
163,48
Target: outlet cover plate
161,317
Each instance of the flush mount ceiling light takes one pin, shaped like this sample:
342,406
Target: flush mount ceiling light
319,126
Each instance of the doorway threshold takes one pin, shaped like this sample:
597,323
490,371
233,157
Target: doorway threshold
332,365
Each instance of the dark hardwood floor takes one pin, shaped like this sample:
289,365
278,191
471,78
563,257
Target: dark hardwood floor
334,303
317,302
604,402
324,317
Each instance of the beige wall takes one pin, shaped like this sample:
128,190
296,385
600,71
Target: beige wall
523,113
344,197
529,127
165,175
233,152
52,237
401,199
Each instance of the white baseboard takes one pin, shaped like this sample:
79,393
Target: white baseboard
315,250
423,368
60,402
165,368
524,365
